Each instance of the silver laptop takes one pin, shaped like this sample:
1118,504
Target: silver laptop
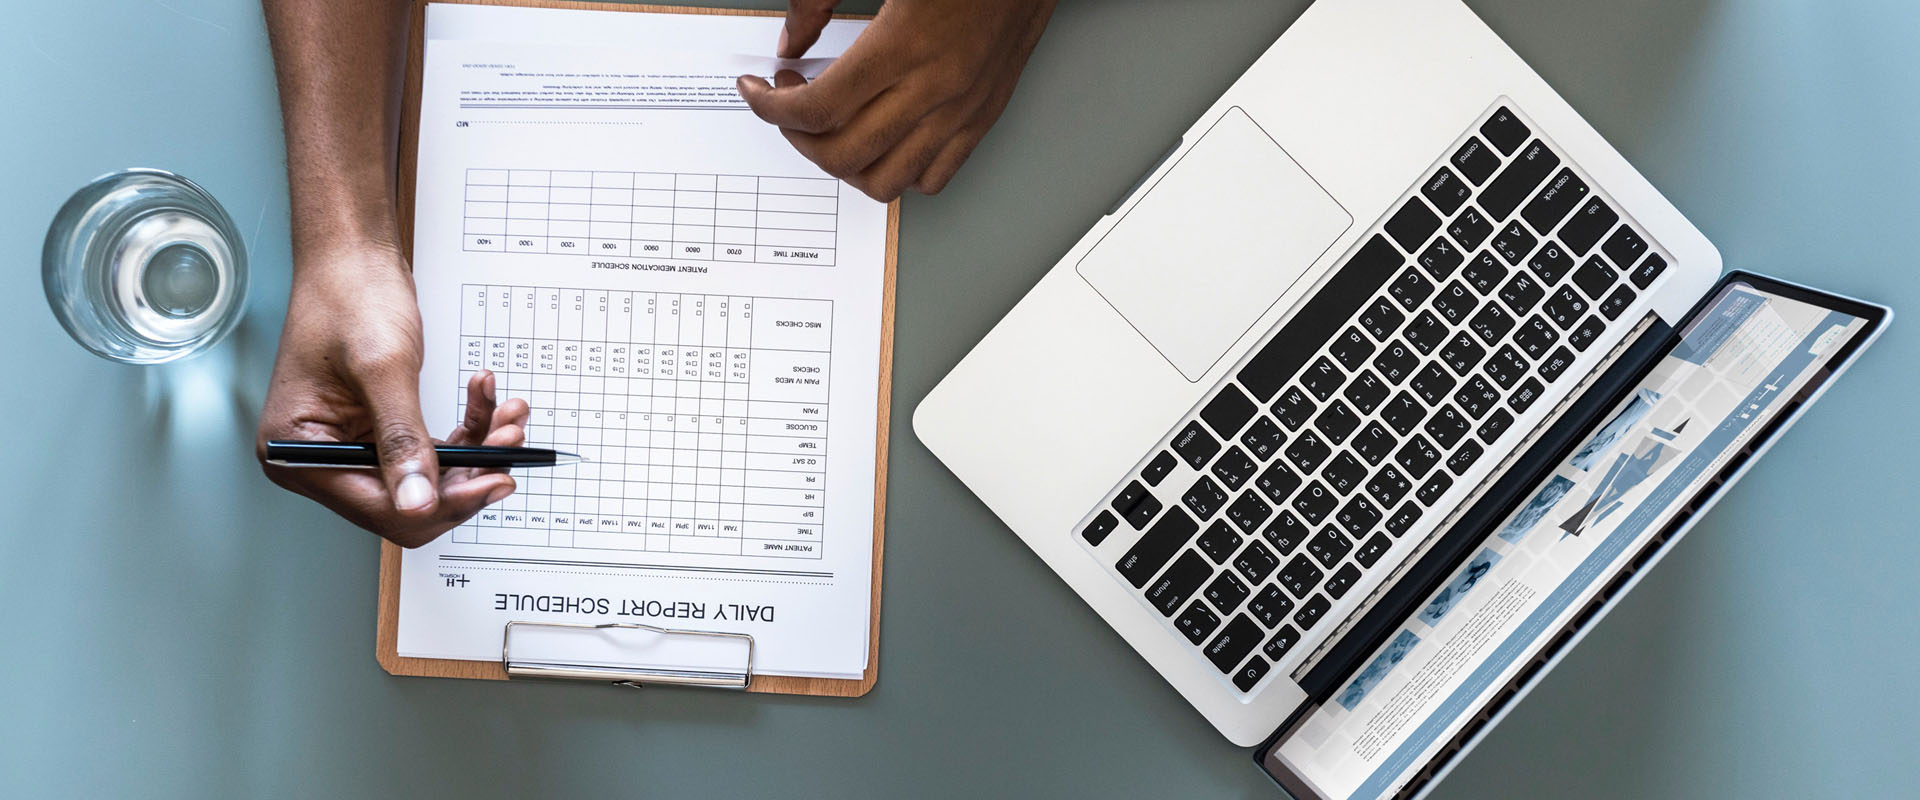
1248,399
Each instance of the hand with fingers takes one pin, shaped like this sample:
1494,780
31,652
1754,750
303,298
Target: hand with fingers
908,101
349,370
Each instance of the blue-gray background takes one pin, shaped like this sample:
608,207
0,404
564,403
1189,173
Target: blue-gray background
176,626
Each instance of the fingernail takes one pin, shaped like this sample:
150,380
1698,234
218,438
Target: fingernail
489,384
415,492
500,494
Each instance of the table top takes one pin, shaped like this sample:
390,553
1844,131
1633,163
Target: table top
179,626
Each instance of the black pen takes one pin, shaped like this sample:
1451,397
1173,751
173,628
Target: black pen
362,455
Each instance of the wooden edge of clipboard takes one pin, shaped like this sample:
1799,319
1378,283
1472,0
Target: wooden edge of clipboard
387,627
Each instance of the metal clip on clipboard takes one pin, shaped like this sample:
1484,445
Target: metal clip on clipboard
634,677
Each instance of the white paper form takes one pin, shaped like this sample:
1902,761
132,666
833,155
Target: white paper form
681,298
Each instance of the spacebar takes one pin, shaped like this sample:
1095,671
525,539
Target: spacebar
1320,319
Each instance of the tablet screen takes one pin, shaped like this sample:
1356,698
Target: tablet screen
1741,361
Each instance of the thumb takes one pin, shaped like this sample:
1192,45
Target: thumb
407,463
805,20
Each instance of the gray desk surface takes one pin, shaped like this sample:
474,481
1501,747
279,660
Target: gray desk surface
176,626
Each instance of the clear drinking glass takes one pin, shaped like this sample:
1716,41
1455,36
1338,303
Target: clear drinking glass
142,266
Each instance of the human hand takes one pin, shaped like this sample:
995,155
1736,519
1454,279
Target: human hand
349,370
909,100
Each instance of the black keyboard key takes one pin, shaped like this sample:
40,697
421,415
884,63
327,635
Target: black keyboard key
1441,258
1592,222
1129,497
1263,439
1455,302
1403,519
1329,547
1506,367
1551,264
1410,289
1463,353
1493,426
1433,384
1366,392
1351,349
1218,542
1389,485
1158,469
1435,487
1516,183
1412,225
1426,332
1314,503
1446,191
1536,337
1370,268
1644,275
1247,511
1143,512
1625,247
1308,452
1595,278
1369,553
1447,427
1250,673
1294,408
1337,422
1556,365
1381,319
1101,526
1477,397
1514,242
1395,362
1300,575
1617,302
1418,456
1522,293
1205,498
1555,201
1234,468
1178,583
1590,329
1231,647
1524,397
1341,580
1469,229
1156,546
1374,444
1281,642
1484,273
1565,307
1403,413
1344,473
1278,482
1463,458
1270,605
1311,611
1505,131
1358,516
1256,562
1322,379
1226,592
1195,445
1475,161
1196,622
1286,533
1228,412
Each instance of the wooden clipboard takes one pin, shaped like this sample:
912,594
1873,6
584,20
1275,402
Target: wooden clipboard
387,629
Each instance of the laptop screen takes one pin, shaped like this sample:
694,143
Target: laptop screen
1743,360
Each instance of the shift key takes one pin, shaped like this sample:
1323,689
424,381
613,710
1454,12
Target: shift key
1157,546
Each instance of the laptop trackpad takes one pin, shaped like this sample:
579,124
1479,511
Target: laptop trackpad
1214,244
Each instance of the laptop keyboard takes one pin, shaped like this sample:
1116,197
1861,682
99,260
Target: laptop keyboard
1273,505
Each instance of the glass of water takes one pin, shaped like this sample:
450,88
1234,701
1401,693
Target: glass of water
142,266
